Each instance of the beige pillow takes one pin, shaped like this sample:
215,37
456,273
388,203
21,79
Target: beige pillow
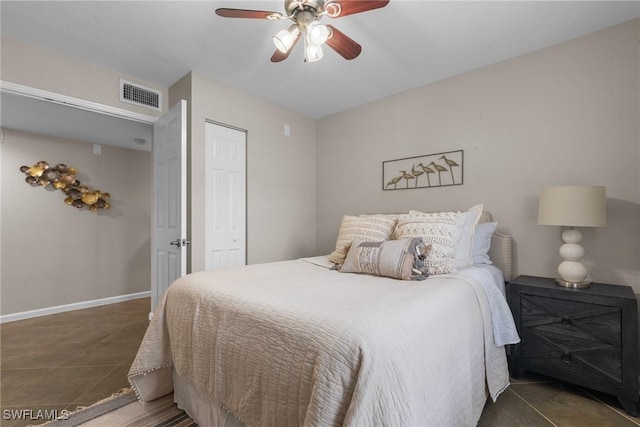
392,258
395,216
440,230
371,228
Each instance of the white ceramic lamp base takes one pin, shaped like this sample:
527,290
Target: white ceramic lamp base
572,272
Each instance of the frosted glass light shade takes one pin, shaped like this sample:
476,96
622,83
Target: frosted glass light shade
312,52
318,33
285,38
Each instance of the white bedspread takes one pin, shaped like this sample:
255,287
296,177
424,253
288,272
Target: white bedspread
291,343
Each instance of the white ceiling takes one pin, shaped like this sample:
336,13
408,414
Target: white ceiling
405,45
48,118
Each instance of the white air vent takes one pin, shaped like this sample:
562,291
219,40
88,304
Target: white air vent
139,95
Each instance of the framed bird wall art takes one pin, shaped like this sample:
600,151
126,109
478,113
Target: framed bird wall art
430,170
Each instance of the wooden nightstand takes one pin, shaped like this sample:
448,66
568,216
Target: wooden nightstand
588,337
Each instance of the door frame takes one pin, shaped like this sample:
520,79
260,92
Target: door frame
81,104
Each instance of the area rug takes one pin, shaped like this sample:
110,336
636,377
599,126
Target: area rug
124,410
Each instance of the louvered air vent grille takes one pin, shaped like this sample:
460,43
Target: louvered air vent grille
140,95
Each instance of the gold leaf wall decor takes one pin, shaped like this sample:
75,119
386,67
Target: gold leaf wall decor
63,178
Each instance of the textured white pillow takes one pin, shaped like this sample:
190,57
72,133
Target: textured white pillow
464,256
482,242
370,228
440,230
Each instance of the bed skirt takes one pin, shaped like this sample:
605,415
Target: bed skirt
199,407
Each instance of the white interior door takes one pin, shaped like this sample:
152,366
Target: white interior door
225,192
169,234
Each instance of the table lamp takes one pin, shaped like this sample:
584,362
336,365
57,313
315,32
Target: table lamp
573,206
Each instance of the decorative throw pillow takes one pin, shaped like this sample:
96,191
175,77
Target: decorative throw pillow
482,242
440,230
464,256
395,216
392,258
371,228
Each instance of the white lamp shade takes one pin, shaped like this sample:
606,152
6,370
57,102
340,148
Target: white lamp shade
574,206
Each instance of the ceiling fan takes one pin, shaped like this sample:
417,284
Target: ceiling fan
306,16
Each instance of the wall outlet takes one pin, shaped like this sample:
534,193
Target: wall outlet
97,149
287,130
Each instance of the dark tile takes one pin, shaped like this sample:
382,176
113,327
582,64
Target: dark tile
16,333
13,379
612,402
31,356
58,386
566,405
112,383
101,354
133,331
510,410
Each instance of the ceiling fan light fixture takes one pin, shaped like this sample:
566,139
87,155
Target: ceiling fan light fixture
318,33
285,38
312,51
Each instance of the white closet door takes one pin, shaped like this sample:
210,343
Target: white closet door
225,189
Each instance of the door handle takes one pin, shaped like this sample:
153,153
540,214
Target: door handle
178,243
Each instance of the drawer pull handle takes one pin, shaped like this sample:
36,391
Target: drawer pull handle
566,357
566,321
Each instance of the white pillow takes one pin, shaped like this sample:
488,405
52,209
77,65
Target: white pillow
464,255
440,230
482,242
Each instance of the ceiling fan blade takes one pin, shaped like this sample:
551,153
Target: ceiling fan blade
343,44
279,56
244,13
349,7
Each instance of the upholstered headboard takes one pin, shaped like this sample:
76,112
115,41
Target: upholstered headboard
500,250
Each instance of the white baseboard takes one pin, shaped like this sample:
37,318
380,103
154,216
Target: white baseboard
70,307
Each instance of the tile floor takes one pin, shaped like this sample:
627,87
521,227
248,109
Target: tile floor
67,360
73,359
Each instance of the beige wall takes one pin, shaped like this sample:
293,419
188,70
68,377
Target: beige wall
39,68
565,115
281,170
520,123
54,254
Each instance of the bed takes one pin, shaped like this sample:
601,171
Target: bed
297,343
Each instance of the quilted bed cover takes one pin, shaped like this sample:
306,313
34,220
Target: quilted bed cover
293,343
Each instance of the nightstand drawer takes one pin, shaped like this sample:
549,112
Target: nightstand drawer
569,336
587,359
572,318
